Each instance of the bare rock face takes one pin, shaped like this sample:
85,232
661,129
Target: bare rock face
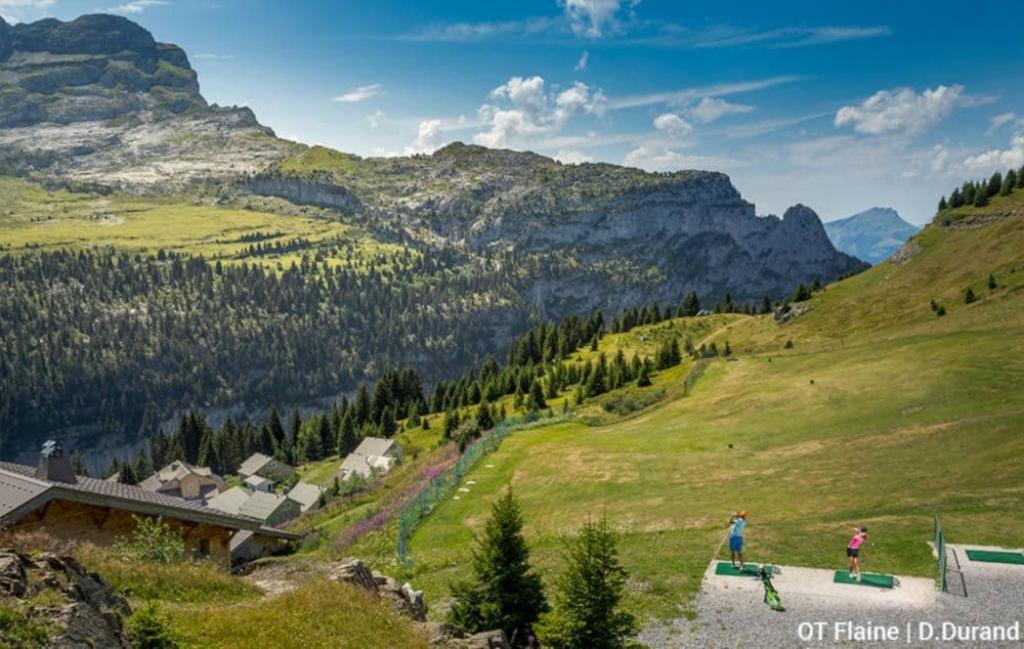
84,613
98,100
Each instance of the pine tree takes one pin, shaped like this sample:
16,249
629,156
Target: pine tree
942,204
208,453
691,304
995,183
275,427
801,294
504,592
1009,183
127,474
536,400
969,297
347,439
644,378
992,282
326,436
1020,177
295,426
598,382
586,612
484,419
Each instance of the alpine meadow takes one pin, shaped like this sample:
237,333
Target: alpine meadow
472,326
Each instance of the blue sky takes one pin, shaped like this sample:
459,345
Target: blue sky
841,106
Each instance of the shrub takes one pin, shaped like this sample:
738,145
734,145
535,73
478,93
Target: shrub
153,541
19,631
148,629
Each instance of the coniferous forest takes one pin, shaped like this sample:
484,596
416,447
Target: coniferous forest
109,344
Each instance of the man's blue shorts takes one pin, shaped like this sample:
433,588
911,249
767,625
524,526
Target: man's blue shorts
735,544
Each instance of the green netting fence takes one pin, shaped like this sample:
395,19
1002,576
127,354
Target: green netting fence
940,552
417,509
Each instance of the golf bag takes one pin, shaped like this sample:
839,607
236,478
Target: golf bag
771,596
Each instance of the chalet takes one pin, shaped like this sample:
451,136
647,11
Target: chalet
306,495
374,455
51,498
266,467
270,508
183,480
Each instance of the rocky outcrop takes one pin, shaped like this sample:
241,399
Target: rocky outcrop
77,608
303,191
98,100
409,603
599,236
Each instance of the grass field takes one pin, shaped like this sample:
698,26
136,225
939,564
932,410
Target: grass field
881,414
33,218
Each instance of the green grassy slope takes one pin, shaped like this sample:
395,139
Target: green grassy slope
881,414
37,219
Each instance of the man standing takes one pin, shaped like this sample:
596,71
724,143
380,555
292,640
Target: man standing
737,522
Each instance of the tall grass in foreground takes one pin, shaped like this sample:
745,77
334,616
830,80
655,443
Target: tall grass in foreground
317,614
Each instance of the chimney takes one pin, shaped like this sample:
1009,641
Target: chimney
53,466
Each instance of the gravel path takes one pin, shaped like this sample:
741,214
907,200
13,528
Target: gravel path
734,615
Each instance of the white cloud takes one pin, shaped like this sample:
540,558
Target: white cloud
209,56
581,65
655,158
136,6
427,138
360,93
14,11
572,157
685,95
998,121
577,100
998,159
526,93
901,110
708,109
672,124
594,18
522,108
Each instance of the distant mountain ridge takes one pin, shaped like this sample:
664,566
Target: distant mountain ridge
872,235
490,240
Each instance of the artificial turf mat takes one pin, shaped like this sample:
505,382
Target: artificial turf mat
866,579
750,570
992,556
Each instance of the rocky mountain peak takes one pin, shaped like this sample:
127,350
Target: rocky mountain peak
90,34
100,100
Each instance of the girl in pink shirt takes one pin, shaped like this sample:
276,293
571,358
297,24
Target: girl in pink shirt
853,550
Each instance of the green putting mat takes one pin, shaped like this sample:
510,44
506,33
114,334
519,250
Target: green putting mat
866,579
749,570
992,556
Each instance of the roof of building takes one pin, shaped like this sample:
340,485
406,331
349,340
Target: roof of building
262,505
245,502
257,481
307,495
22,492
177,470
371,446
254,463
230,501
